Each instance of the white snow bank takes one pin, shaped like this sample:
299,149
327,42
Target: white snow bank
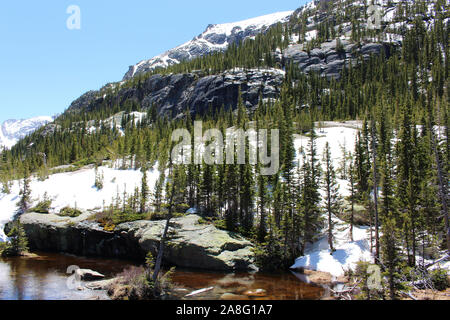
7,210
76,189
347,254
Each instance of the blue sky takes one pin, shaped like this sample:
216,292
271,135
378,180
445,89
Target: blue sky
44,66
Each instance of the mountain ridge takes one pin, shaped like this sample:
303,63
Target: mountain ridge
216,37
12,130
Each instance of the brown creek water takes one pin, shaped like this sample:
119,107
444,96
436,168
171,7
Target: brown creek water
44,277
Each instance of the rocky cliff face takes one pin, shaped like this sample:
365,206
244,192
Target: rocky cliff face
331,57
190,244
173,94
216,37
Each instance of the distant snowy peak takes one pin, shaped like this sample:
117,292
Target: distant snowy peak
217,37
11,131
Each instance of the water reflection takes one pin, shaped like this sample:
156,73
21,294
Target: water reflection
44,278
283,286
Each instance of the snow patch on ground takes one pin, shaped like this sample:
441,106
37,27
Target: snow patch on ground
76,189
347,252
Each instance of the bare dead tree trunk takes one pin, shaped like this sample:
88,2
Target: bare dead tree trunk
164,237
352,184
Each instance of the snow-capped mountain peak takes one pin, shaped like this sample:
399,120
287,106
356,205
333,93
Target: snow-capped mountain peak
216,37
11,131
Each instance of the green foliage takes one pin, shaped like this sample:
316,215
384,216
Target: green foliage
109,219
136,283
99,179
390,256
220,224
25,193
439,279
3,247
42,207
18,242
70,212
270,257
366,291
6,188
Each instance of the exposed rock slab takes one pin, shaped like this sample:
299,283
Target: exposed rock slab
331,57
191,244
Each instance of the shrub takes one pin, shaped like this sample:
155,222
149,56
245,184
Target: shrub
136,283
270,256
42,207
221,224
70,212
439,279
109,219
157,216
99,179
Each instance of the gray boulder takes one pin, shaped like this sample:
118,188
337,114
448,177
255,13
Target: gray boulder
190,244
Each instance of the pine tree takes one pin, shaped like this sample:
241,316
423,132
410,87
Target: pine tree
247,198
362,166
263,201
99,179
144,192
390,255
25,193
352,197
231,212
374,146
310,195
332,198
158,191
207,188
18,242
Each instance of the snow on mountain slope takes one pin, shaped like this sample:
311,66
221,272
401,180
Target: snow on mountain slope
75,189
216,37
11,131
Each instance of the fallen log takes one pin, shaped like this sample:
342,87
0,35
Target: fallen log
409,295
428,266
194,293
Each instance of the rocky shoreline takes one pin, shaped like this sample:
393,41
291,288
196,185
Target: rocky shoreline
190,244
